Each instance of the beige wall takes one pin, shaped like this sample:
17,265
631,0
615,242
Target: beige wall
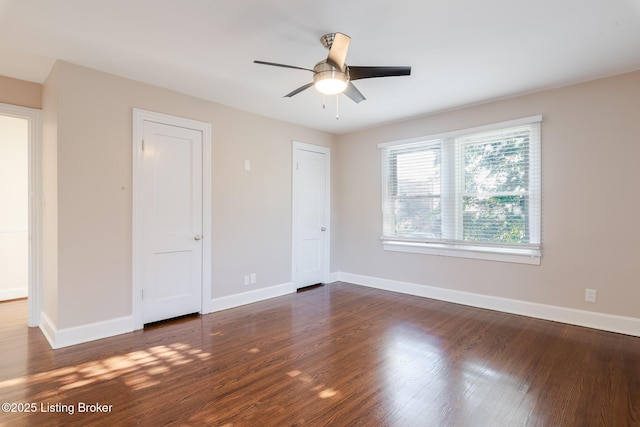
20,92
49,298
590,154
589,203
251,211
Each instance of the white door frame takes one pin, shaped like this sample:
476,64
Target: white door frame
139,117
296,147
34,291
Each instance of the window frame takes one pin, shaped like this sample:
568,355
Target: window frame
390,192
451,175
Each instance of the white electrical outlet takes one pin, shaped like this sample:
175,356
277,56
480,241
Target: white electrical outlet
253,278
247,280
590,295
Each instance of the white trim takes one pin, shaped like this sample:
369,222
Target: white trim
66,337
520,256
237,300
333,277
48,329
451,196
139,117
207,257
296,146
535,181
13,293
34,117
589,319
59,338
7,230
477,129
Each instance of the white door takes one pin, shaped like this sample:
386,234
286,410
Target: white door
311,229
172,215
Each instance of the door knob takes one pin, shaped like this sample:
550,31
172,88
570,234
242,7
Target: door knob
197,237
323,229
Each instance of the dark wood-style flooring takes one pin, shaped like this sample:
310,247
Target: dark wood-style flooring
337,355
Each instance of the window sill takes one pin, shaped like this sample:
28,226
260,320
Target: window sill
519,256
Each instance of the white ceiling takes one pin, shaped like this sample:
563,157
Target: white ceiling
461,51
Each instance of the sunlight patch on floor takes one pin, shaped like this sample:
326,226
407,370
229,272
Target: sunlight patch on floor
323,391
326,393
138,369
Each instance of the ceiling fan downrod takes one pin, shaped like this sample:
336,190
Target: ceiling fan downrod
327,40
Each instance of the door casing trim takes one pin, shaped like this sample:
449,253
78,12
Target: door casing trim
139,117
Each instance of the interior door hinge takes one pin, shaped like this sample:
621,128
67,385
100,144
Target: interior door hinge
143,145
141,293
297,166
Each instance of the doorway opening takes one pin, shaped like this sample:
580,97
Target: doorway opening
14,216
20,200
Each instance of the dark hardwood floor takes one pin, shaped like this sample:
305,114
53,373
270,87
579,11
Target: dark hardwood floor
338,355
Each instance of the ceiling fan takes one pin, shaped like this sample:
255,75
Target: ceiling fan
333,76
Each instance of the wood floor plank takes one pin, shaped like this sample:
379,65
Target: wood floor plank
339,355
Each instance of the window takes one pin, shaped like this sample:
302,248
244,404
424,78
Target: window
471,193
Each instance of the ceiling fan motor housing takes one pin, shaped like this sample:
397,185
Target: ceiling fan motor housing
328,79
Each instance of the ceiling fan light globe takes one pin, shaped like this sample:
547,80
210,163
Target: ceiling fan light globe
331,86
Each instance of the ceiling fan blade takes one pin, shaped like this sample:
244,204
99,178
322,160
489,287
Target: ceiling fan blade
356,73
297,91
338,50
352,92
281,65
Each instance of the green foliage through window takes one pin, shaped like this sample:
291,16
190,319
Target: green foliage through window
476,188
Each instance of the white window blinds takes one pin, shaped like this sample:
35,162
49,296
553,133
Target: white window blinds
474,188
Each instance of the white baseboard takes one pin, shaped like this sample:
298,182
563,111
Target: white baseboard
59,338
231,301
48,329
590,319
333,277
13,293
66,337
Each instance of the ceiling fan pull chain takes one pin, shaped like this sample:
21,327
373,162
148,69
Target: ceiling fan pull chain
337,112
324,102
